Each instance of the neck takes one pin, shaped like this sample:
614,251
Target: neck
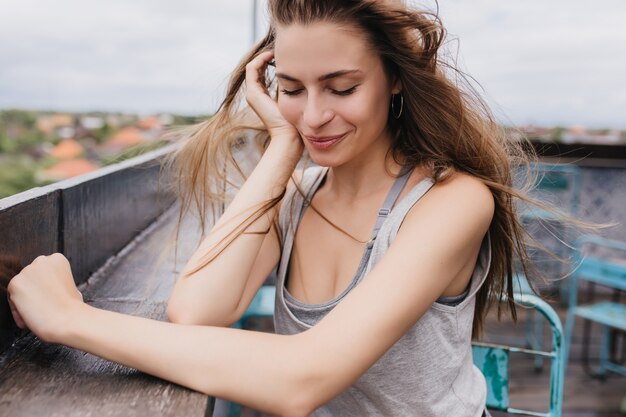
366,174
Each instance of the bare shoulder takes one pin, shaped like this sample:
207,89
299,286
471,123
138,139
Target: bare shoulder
466,188
460,197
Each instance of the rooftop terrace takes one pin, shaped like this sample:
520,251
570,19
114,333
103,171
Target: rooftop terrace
113,225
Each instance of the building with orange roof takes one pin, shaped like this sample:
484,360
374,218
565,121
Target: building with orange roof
126,138
49,123
149,123
67,149
67,169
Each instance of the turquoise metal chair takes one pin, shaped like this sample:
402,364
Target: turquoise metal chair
608,271
557,185
493,361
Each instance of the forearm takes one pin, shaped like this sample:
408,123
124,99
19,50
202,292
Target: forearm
267,181
227,274
259,370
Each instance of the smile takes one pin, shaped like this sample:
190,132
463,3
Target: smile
324,142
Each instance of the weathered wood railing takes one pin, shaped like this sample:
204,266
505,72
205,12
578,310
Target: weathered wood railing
112,225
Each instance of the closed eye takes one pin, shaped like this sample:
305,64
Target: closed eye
345,92
336,92
291,92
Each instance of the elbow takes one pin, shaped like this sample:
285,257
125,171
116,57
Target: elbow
182,313
309,387
303,408
178,315
318,374
297,404
303,400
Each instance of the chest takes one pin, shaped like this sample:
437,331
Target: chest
327,253
330,242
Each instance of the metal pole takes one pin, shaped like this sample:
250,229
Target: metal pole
254,20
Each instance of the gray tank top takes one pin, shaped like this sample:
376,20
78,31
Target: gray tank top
429,372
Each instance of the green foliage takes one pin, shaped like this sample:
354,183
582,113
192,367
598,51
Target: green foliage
132,152
23,118
6,144
102,134
557,134
31,138
18,131
181,120
19,135
17,174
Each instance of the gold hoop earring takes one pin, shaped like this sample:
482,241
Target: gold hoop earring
393,107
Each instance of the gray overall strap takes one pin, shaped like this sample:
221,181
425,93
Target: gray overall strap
388,204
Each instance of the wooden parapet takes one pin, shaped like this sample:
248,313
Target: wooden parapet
113,225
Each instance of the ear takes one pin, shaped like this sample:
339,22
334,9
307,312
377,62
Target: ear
396,86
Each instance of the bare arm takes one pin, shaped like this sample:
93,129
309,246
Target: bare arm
219,293
282,375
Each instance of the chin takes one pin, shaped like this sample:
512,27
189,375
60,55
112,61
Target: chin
325,160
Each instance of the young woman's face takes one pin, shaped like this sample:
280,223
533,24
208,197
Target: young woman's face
333,89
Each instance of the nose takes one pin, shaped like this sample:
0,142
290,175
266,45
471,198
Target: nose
316,113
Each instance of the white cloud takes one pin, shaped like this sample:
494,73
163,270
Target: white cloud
546,62
543,62
138,56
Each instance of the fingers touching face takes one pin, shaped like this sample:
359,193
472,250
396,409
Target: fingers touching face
331,85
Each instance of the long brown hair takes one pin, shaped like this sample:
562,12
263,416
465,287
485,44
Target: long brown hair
445,126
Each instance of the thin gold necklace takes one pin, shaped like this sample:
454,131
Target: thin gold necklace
335,226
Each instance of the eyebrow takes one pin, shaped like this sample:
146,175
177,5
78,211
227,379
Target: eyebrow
324,77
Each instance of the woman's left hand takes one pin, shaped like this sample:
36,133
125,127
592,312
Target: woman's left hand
44,297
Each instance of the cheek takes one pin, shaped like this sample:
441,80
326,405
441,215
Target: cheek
369,112
380,110
289,109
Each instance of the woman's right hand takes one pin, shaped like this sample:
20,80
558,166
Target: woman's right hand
263,105
43,297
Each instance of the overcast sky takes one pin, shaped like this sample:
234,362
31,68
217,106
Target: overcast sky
543,62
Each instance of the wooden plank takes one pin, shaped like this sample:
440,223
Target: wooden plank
103,211
38,379
28,228
50,380
88,218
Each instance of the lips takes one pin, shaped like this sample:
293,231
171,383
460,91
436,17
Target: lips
324,142
323,138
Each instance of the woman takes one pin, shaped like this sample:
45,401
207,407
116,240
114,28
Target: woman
412,191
